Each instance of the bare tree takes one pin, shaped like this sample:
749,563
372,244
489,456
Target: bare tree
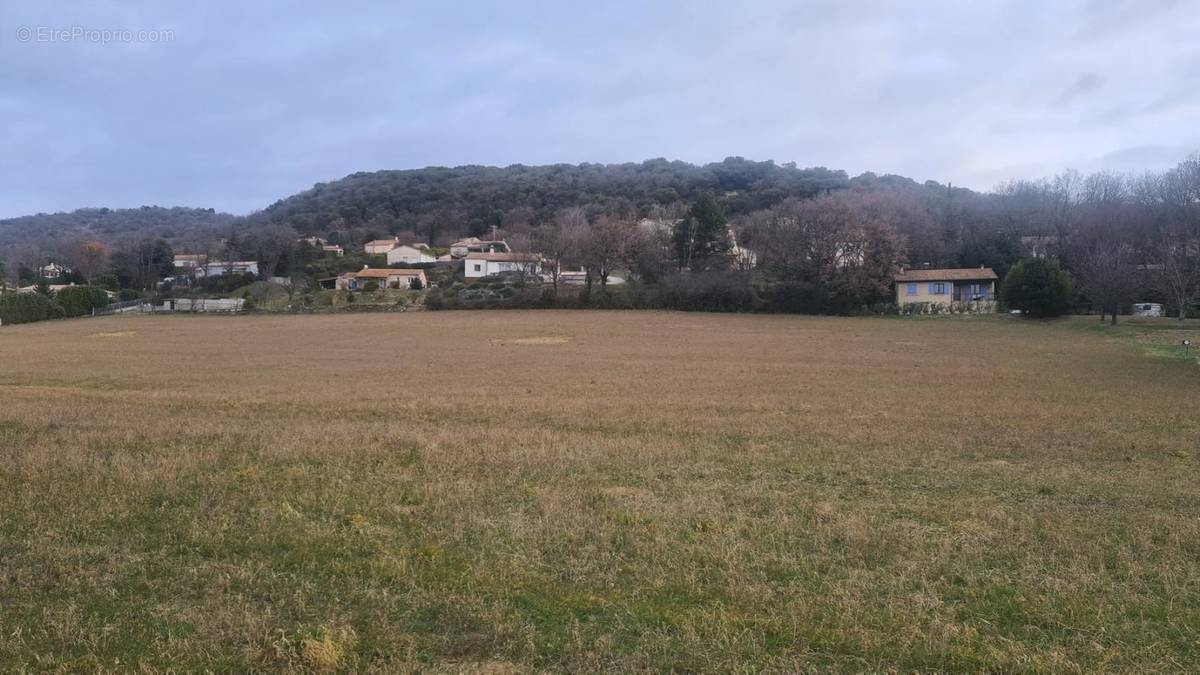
839,250
1108,275
89,259
556,240
1177,269
1176,248
606,245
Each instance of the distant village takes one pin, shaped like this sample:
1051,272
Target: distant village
799,259
410,266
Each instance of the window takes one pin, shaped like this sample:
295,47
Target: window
477,268
912,289
937,288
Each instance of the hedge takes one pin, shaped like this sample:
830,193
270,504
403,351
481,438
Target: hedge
81,300
27,308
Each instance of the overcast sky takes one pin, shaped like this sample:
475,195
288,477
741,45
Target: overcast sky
233,105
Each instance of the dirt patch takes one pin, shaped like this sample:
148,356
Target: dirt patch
539,340
115,334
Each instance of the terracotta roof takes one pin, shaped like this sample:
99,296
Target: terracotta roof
968,274
383,274
504,257
382,242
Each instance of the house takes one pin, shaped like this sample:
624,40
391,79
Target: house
380,246
946,286
487,264
462,247
385,278
334,249
1038,245
410,255
190,261
53,271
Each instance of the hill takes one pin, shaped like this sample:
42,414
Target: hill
441,202
48,234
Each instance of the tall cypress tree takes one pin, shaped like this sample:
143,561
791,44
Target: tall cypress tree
702,238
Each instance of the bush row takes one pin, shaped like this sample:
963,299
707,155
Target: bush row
727,291
68,302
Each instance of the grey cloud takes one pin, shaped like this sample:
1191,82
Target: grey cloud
254,101
1084,84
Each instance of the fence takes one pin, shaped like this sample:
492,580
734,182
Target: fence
205,305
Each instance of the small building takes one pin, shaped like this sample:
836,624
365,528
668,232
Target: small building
334,250
462,247
384,278
380,246
53,271
1148,309
409,255
947,286
487,264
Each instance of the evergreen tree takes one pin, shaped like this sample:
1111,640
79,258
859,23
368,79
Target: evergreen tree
701,239
1038,287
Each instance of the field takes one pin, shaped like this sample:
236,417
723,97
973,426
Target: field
493,491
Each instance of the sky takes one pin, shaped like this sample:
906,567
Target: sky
234,105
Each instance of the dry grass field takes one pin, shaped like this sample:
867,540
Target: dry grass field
493,491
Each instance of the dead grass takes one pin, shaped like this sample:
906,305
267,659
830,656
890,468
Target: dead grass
538,340
661,491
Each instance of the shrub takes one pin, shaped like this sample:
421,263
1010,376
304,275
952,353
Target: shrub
370,287
708,291
81,300
225,283
1038,287
27,308
248,302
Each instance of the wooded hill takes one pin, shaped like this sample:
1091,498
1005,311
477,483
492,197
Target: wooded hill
31,239
439,204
